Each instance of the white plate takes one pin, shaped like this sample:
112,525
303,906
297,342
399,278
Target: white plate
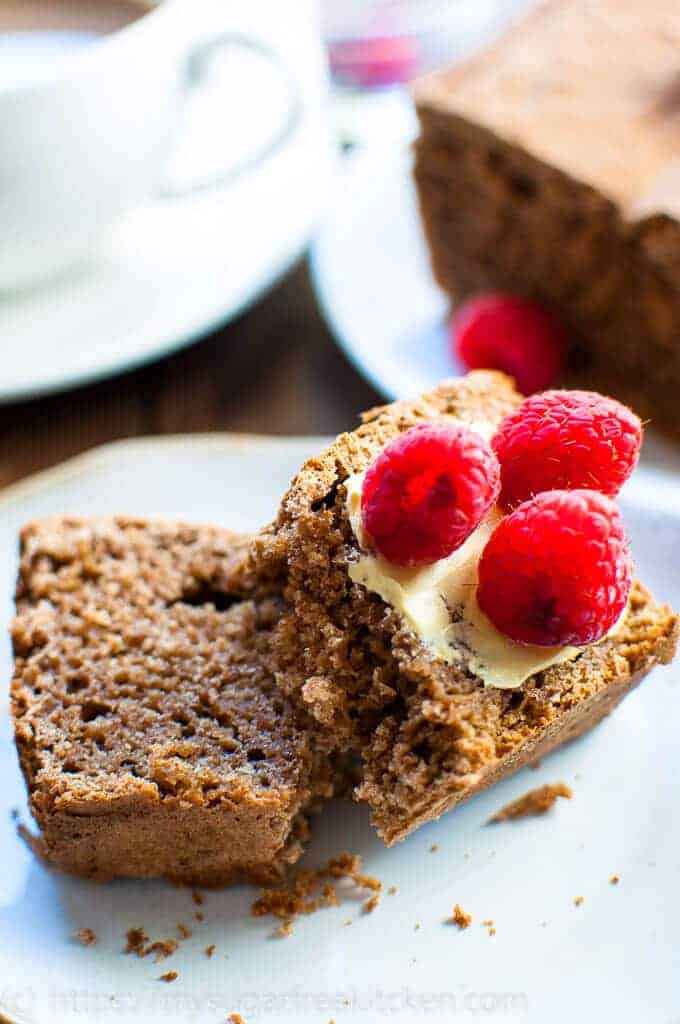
175,270
615,957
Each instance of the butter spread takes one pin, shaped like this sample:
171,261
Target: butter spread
439,603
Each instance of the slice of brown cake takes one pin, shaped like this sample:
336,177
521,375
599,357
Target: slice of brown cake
430,733
152,737
548,166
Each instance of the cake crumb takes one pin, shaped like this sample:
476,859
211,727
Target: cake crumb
614,880
416,927
492,930
487,923
136,941
170,976
184,931
578,900
284,930
535,802
210,951
199,916
347,922
312,890
434,847
162,949
198,898
371,903
235,1018
329,896
86,936
460,918
392,890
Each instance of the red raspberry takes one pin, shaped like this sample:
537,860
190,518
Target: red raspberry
512,334
557,570
566,440
427,491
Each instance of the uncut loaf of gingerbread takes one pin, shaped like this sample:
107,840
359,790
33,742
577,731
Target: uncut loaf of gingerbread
547,166
395,662
151,733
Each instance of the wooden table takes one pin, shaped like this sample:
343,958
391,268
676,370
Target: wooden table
274,370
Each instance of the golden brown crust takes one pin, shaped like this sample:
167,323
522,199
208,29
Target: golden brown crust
151,734
529,86
430,734
481,396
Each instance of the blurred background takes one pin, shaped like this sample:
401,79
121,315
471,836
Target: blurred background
199,313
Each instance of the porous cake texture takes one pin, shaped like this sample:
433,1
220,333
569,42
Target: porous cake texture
430,734
152,736
548,166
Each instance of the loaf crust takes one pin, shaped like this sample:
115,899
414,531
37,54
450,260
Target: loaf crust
429,734
151,733
547,166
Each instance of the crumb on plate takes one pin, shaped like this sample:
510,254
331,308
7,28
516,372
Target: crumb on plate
163,949
138,944
136,941
535,802
460,918
312,890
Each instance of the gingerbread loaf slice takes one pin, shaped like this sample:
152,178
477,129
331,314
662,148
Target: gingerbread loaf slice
151,734
548,166
430,733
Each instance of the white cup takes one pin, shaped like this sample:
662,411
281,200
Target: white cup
89,136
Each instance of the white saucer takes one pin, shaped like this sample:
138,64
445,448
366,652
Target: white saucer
372,276
615,957
178,269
